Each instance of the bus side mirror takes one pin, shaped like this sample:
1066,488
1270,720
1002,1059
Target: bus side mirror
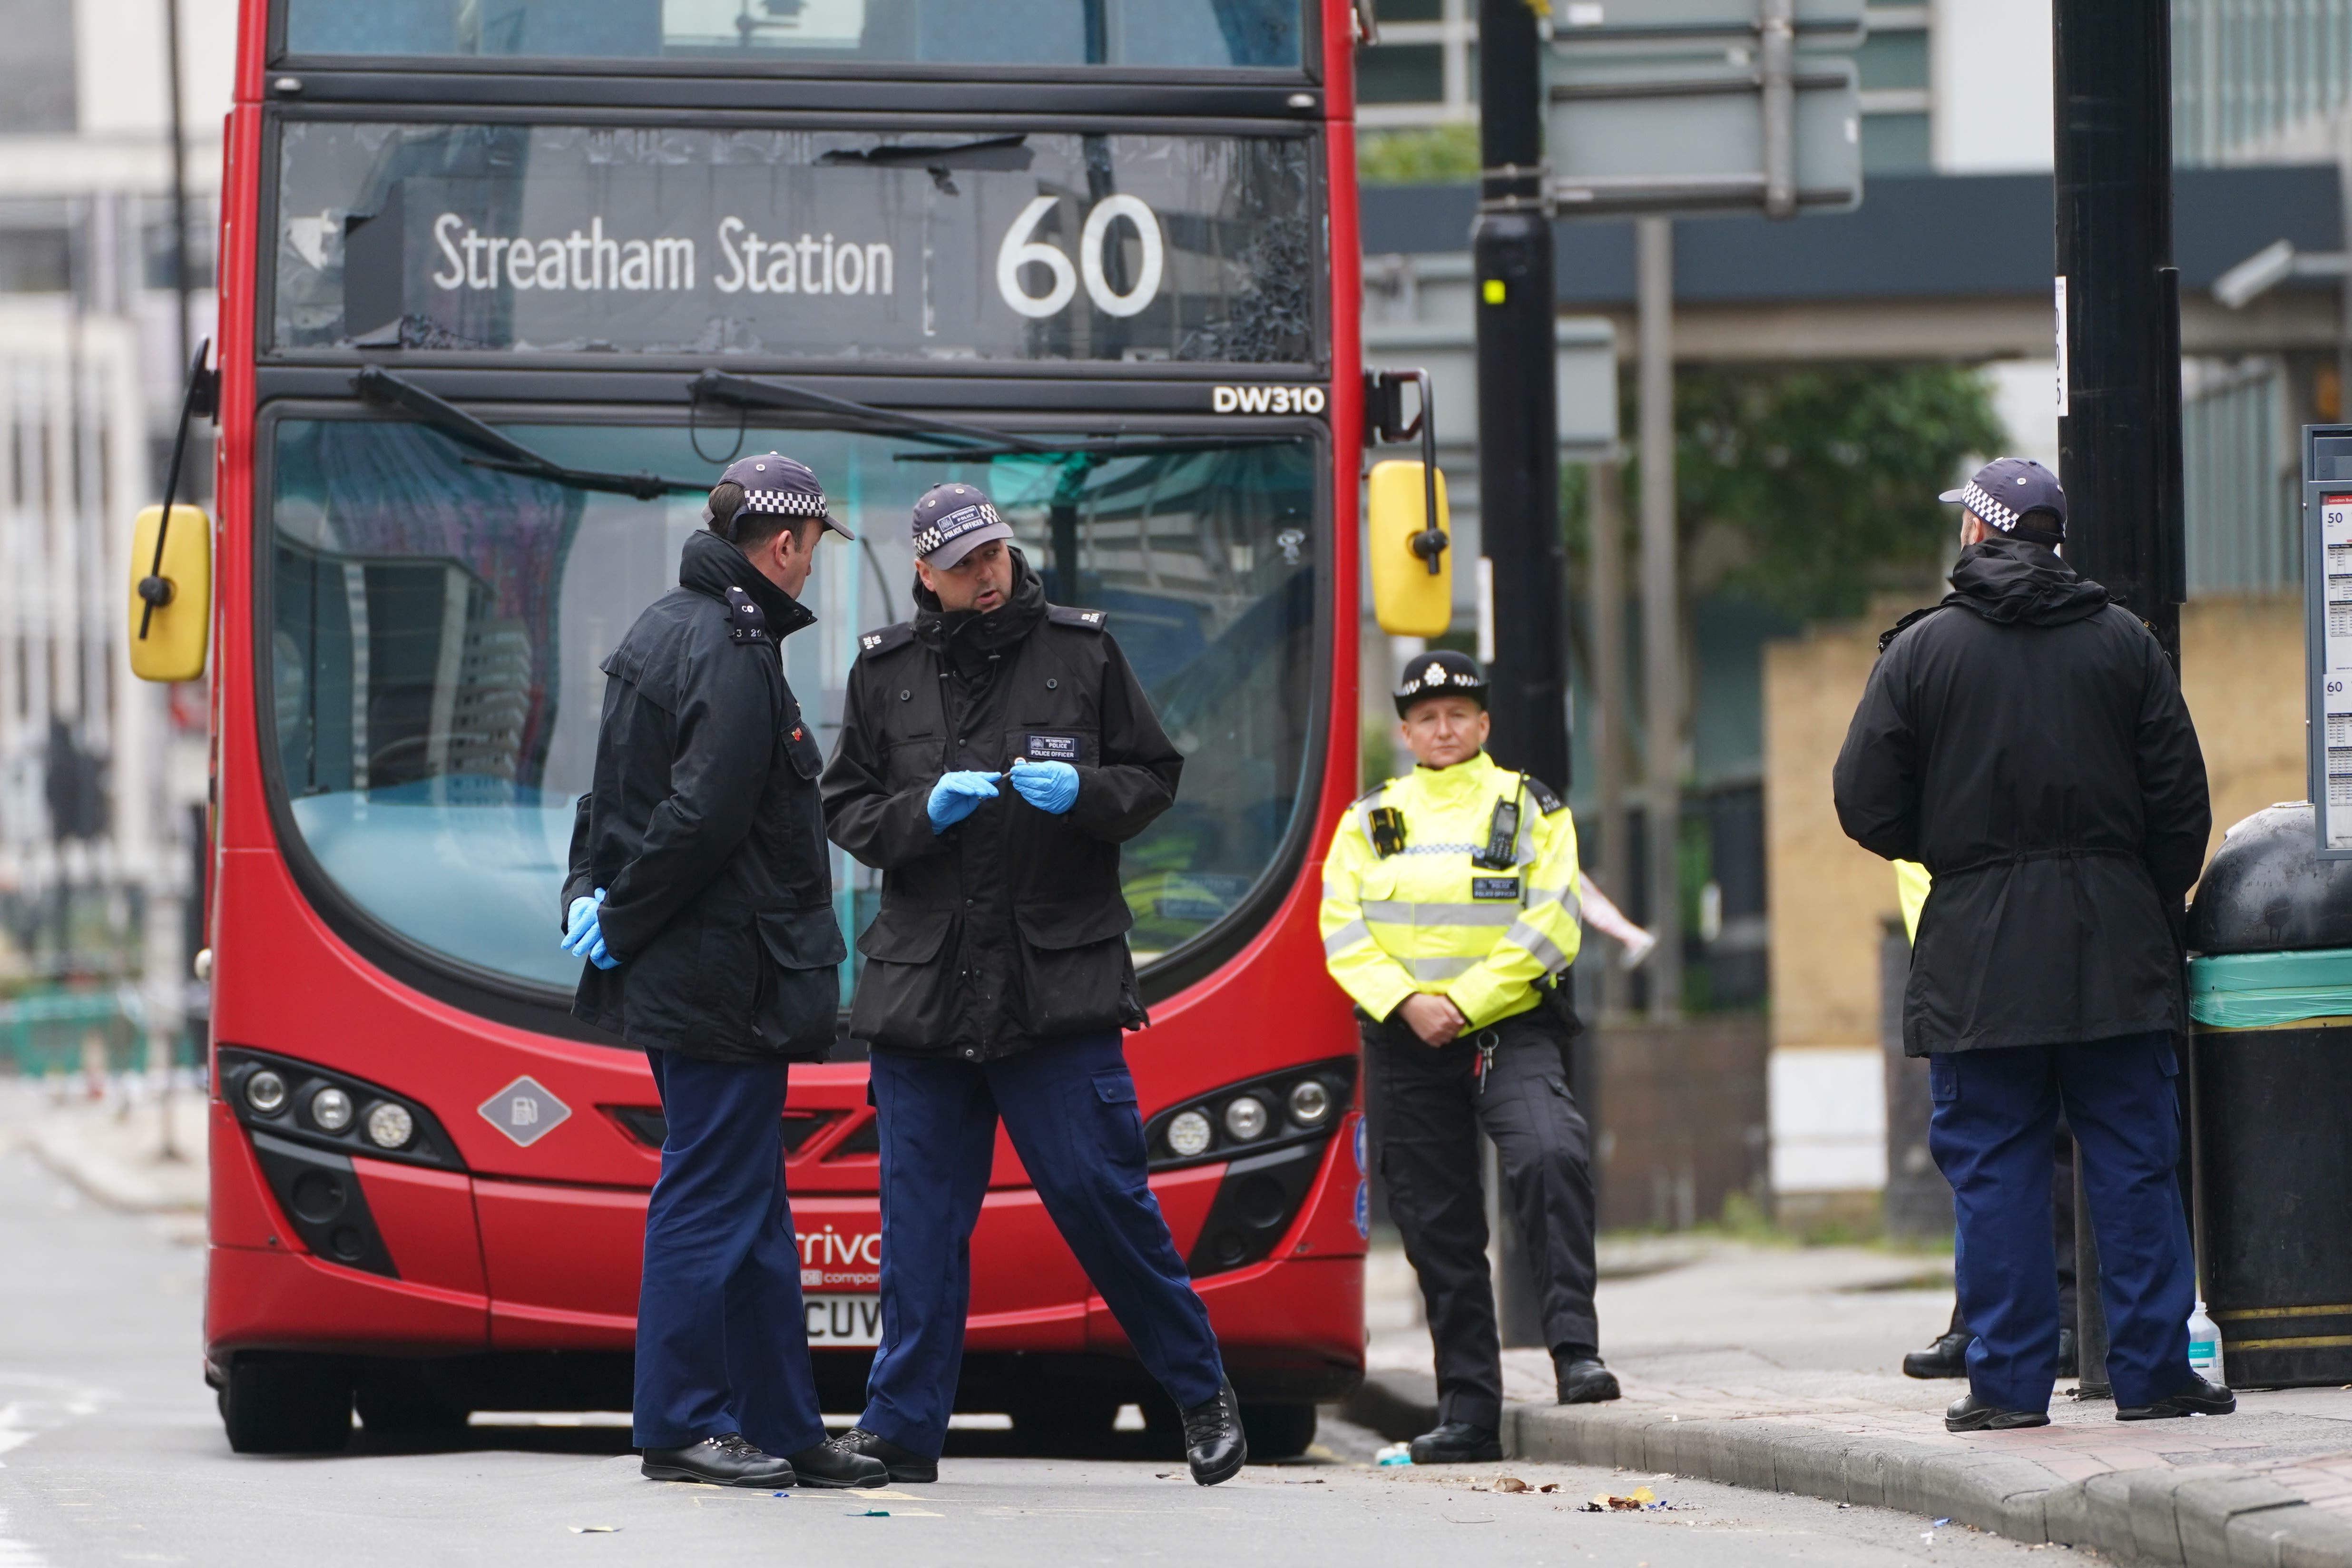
1413,565
170,594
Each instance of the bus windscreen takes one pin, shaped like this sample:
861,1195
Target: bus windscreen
1195,34
435,629
1038,247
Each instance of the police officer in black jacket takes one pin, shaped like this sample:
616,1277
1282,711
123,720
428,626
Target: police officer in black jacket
995,754
2027,742
701,897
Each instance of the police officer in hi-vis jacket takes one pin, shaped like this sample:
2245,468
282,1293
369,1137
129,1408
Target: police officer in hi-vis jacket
1449,913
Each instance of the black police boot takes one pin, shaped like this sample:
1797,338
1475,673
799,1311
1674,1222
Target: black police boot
2069,1364
1457,1443
1946,1356
2202,1397
1582,1378
1970,1414
904,1464
724,1461
834,1463
1213,1445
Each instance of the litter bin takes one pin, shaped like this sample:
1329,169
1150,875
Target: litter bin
2270,997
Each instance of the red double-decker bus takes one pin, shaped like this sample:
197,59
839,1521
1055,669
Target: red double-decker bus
503,285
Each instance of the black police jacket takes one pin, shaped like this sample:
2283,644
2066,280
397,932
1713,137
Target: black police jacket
1009,927
705,828
2026,741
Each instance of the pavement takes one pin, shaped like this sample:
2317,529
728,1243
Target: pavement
132,1142
110,1452
1778,1368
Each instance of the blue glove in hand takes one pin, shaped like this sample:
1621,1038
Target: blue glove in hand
957,796
583,934
1049,787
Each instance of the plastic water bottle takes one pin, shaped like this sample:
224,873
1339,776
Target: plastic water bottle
2204,1346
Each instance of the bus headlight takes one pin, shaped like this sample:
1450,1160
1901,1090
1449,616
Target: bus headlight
1310,1103
330,1108
390,1126
266,1092
1188,1134
1245,1118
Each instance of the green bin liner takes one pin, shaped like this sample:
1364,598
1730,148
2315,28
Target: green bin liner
2266,990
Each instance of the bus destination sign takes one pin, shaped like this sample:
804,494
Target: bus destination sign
796,244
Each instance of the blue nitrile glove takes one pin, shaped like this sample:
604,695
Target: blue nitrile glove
957,796
583,934
1048,786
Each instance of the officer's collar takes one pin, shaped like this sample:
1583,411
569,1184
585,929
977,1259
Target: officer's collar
1468,774
709,565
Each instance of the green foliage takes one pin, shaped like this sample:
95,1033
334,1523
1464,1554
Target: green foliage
1805,488
1430,155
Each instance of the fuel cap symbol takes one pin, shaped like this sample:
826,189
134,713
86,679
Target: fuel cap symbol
525,1110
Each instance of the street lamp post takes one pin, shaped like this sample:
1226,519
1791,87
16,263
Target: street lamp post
1518,459
2118,338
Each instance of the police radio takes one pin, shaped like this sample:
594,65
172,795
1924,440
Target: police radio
1502,836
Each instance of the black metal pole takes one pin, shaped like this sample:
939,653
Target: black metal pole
1518,432
1518,461
2119,430
2119,424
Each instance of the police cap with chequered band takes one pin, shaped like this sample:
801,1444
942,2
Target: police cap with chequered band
776,486
2016,495
951,520
1440,674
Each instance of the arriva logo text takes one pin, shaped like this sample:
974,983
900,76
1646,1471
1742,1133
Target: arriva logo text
1266,399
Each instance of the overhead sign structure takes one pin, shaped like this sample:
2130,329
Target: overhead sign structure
1692,106
2327,607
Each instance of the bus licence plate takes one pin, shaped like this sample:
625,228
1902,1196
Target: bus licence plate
844,1320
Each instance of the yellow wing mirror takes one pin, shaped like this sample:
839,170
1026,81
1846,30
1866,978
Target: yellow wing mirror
1405,516
170,594
172,559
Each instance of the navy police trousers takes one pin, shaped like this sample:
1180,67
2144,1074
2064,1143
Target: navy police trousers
722,1341
1994,1114
1069,1107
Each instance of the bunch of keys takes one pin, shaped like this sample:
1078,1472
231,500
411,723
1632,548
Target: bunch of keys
1485,1060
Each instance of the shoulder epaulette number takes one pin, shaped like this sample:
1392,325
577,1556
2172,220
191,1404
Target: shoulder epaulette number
1063,616
1546,800
746,621
886,639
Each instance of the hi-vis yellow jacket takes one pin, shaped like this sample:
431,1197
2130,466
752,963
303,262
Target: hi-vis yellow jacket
1428,919
1911,885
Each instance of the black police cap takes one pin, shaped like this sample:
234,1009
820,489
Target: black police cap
1443,673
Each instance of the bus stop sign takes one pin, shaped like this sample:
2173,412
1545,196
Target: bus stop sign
2327,612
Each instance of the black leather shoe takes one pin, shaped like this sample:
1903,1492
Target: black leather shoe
1213,1445
1947,1356
835,1464
1586,1381
903,1464
724,1461
2069,1363
1970,1414
1457,1443
2199,1398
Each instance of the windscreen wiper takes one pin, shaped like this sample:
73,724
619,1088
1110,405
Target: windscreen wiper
997,153
955,439
742,392
1100,446
507,456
